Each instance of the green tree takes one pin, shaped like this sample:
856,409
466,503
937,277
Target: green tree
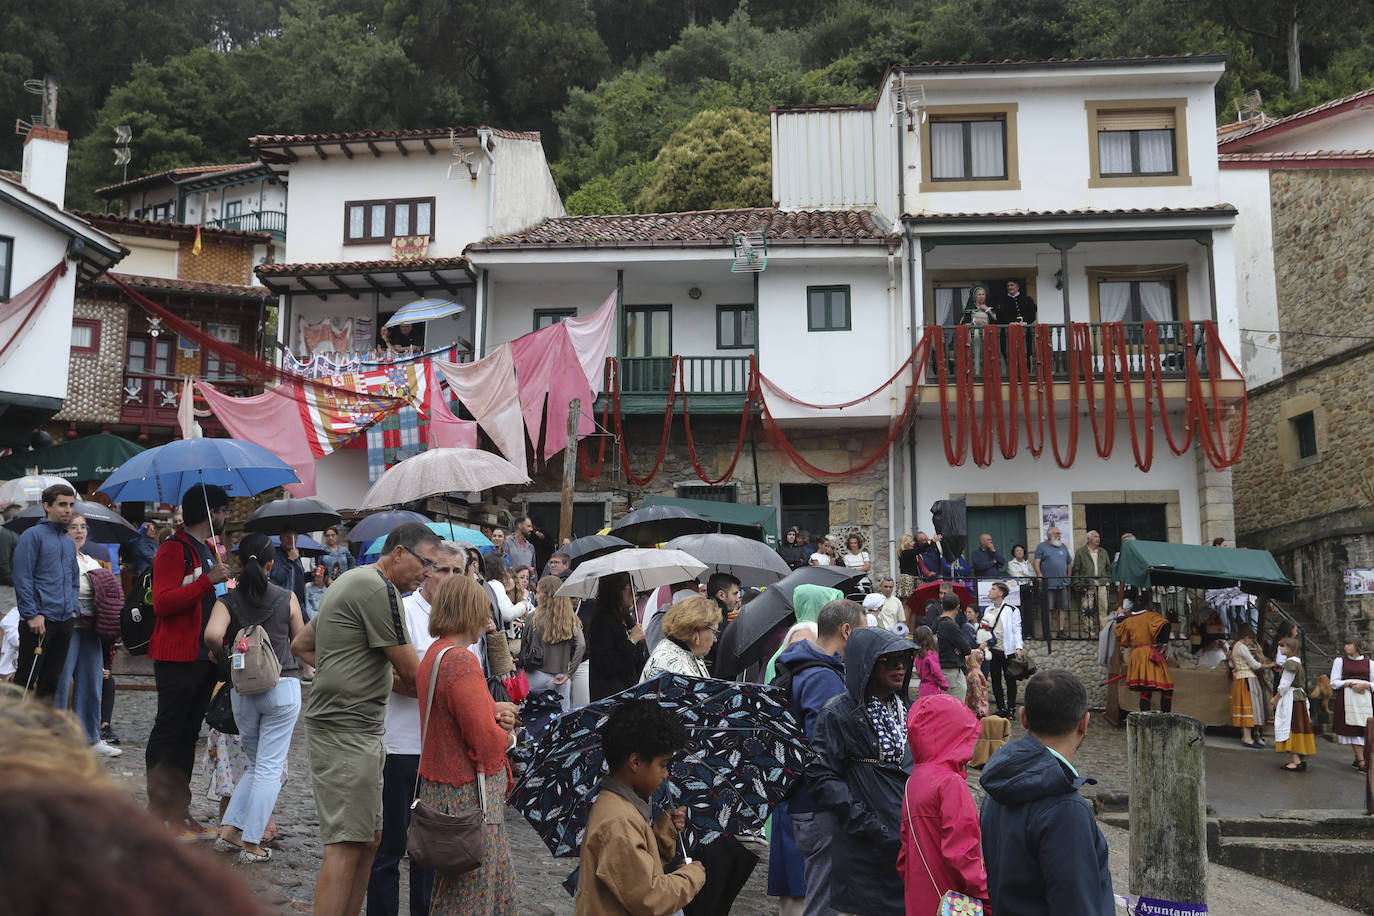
719,159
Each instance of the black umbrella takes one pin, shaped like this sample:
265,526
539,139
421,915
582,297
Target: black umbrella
103,524
752,562
592,546
651,525
294,514
379,525
745,639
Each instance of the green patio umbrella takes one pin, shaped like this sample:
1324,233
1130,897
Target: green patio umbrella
83,458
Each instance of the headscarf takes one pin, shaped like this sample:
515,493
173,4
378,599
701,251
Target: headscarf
807,601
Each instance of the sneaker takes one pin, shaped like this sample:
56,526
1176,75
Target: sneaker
196,831
108,735
103,749
182,832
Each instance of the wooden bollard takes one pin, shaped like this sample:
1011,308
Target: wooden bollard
1168,855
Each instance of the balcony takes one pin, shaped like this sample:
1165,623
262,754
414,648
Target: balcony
714,384
151,400
273,221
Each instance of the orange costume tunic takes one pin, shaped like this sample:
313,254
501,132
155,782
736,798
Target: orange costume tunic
1145,669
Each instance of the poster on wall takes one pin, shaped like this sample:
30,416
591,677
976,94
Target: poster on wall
1359,581
985,596
1058,517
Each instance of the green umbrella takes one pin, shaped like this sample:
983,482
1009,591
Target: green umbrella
83,458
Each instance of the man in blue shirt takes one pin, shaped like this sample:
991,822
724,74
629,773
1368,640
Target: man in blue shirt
287,571
45,587
1053,563
987,562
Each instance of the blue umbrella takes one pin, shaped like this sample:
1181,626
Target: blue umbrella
306,545
379,524
165,473
424,310
745,754
446,530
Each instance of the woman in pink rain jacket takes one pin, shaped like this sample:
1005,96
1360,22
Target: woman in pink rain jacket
941,842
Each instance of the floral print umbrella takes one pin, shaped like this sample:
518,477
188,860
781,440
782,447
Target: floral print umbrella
745,754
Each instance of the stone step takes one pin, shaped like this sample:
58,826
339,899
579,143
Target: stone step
1339,870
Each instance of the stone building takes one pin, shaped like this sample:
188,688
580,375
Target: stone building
1305,484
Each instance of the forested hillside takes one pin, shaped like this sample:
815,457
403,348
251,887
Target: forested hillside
644,104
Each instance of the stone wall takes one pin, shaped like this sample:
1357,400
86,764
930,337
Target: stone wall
219,261
95,381
1077,656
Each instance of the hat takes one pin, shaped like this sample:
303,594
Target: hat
873,602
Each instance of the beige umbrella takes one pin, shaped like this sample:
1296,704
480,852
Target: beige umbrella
647,568
442,470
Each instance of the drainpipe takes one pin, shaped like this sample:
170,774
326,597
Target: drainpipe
915,382
488,144
895,318
485,312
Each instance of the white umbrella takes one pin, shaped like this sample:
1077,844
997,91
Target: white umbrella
25,490
442,470
647,567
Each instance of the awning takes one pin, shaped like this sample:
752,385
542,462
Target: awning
1152,563
758,522
84,458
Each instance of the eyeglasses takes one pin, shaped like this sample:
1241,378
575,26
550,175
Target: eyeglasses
893,662
427,565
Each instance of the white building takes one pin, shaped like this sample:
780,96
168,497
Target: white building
243,196
36,237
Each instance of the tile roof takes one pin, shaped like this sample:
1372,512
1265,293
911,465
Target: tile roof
1363,158
357,267
423,133
1262,124
1060,63
11,175
178,285
1026,215
802,109
696,228
170,174
129,224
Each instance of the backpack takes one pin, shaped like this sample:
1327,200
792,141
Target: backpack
786,673
108,601
136,619
531,656
254,667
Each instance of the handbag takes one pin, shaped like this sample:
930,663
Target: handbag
952,903
219,715
451,844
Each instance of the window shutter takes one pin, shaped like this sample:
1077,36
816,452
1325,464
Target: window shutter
1139,119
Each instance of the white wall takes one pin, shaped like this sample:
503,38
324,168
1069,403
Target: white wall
1354,131
525,190
936,480
39,365
148,257
1256,288
824,159
202,206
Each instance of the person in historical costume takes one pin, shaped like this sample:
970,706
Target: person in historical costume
1143,636
1247,694
1350,680
1292,721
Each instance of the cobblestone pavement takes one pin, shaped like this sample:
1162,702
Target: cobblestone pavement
287,882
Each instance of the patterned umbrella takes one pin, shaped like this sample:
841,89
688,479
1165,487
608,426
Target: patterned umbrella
745,754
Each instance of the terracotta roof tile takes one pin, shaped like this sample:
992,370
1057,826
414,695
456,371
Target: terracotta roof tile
1213,209
110,223
698,227
423,133
178,285
354,267
1061,62
1262,124
173,173
1350,158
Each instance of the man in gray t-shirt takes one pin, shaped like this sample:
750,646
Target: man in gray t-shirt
517,548
1053,563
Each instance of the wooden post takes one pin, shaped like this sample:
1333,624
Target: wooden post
1368,770
1168,856
569,470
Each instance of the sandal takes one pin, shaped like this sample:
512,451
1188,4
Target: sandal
252,858
223,845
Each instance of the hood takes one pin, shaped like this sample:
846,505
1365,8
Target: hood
1025,771
865,645
807,600
941,730
809,651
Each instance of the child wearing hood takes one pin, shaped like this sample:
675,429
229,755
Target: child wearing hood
860,771
941,841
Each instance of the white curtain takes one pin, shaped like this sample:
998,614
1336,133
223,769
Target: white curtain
986,139
1157,301
946,150
1114,152
1156,151
947,304
1113,301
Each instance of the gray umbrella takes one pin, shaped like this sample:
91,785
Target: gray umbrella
752,562
103,524
294,514
656,524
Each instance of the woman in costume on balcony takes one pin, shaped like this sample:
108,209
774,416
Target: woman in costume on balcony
978,310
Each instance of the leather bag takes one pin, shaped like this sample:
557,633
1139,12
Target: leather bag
450,844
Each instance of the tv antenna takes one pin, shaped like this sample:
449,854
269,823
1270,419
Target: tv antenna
751,252
1248,106
908,97
124,134
459,156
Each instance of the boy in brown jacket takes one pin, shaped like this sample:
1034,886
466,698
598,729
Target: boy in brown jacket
623,857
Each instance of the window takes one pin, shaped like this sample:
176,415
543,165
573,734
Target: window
1137,294
85,336
544,318
149,356
233,209
648,330
156,211
367,221
214,368
736,328
6,258
827,308
1305,429
969,148
1140,142
728,493
229,333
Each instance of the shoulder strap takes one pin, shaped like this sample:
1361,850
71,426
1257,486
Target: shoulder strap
396,621
424,732
911,828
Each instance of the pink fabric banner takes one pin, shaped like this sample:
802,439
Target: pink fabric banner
547,366
591,337
445,429
489,391
273,420
17,315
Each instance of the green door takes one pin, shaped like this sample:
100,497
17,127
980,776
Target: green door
1006,525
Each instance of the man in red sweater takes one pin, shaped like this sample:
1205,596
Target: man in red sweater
186,574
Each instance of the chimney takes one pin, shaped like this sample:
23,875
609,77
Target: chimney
45,163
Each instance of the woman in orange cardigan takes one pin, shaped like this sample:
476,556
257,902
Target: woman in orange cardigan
467,733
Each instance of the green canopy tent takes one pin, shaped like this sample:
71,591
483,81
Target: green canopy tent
84,458
1154,563
758,522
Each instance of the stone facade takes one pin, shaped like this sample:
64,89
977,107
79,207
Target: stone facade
1074,655
96,380
1315,512
220,260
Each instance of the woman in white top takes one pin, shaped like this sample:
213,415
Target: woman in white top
822,556
1350,681
690,628
1000,631
855,557
84,668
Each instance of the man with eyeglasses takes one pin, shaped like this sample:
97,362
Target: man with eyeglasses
361,648
402,741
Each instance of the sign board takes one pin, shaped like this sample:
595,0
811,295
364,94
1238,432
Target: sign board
1359,581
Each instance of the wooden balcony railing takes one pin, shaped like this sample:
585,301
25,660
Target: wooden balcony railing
151,400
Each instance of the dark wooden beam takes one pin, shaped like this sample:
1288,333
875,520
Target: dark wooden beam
346,151
445,285
343,287
406,281
367,278
375,152
319,151
310,287
429,146
402,147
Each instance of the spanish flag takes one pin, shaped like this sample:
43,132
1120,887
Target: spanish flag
195,249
